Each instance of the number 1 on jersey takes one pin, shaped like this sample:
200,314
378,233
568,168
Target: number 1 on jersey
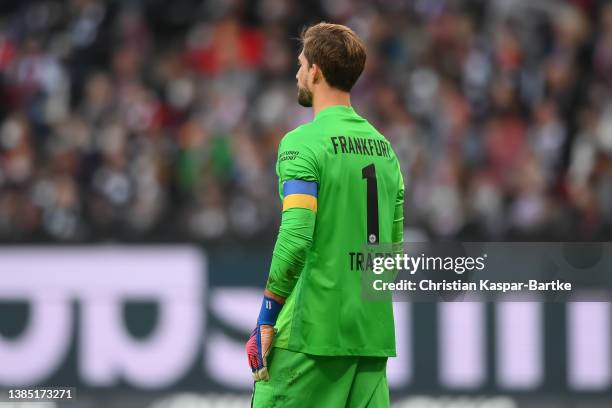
369,173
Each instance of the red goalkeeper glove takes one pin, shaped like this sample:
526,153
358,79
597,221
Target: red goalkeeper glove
260,343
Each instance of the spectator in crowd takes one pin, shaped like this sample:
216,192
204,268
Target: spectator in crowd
155,120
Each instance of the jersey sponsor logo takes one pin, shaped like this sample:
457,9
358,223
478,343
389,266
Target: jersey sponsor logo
288,155
360,145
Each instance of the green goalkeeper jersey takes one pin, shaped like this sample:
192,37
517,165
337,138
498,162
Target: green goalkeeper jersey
358,200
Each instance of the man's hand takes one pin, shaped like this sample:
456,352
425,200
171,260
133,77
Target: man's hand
259,344
258,347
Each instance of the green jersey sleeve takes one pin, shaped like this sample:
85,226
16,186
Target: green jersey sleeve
293,241
398,217
296,159
298,184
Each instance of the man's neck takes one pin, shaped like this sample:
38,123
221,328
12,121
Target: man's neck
330,97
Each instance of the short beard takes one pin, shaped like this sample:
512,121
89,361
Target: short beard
305,97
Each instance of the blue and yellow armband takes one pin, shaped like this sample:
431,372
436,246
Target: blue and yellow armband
300,194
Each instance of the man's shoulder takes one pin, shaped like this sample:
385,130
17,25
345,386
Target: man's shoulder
372,129
301,135
303,129
298,155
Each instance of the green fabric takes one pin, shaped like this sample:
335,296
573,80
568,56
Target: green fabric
398,217
294,240
324,313
301,380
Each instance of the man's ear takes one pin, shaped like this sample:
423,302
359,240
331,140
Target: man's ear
317,74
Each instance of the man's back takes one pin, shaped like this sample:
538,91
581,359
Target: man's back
360,198
341,189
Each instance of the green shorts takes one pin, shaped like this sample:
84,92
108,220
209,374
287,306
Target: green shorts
302,380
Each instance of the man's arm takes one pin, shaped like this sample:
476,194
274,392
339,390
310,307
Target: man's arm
294,240
398,217
298,173
274,297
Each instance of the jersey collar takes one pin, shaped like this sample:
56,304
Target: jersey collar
335,110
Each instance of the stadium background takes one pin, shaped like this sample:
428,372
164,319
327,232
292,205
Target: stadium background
130,129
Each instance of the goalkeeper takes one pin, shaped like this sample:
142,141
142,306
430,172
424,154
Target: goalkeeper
317,343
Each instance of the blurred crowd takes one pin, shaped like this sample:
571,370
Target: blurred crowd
138,120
